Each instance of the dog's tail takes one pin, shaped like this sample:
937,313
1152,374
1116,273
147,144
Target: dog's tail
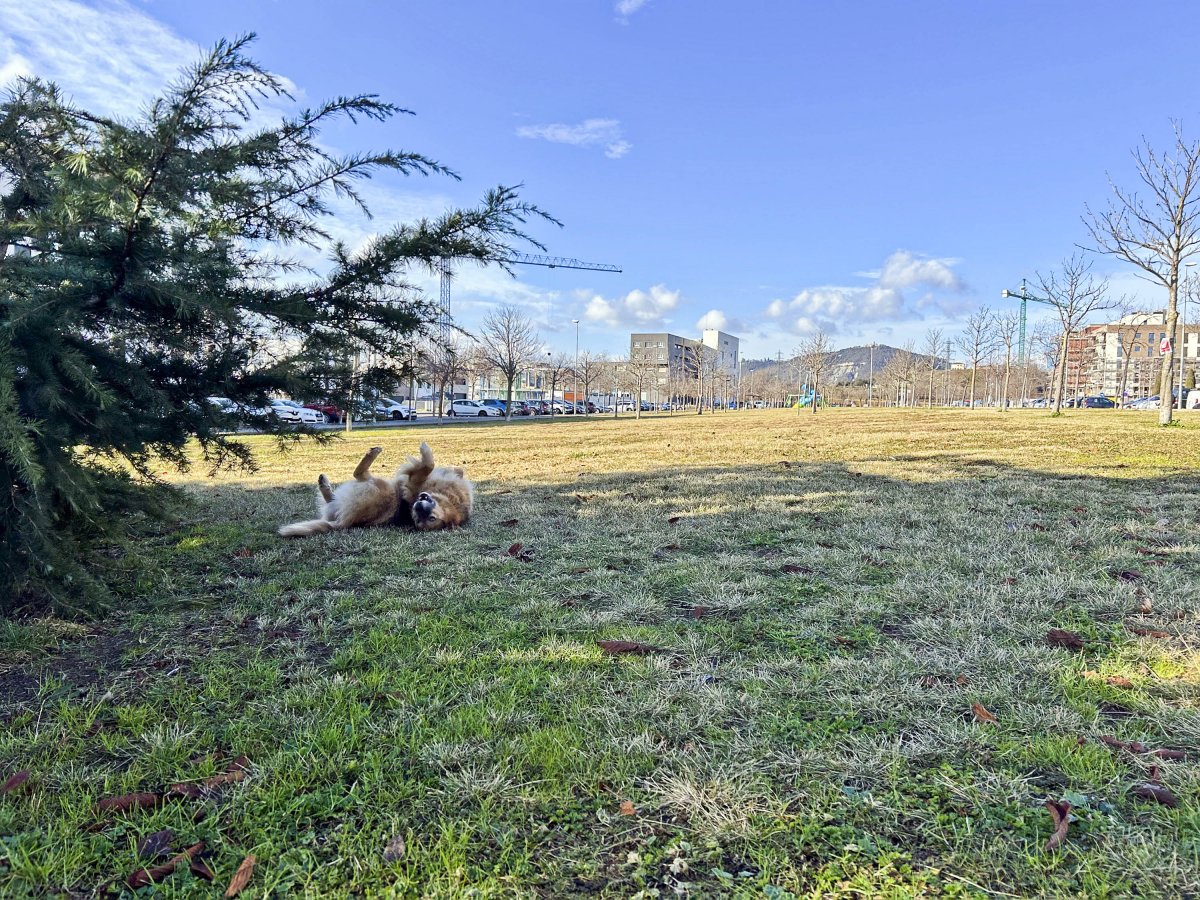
418,470
304,529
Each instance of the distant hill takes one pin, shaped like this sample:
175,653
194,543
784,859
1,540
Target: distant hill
849,364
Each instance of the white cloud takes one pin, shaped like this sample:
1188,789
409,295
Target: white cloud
110,57
626,8
637,308
588,133
717,320
832,308
904,270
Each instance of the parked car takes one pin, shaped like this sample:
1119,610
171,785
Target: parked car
604,409
563,408
473,408
328,410
760,404
392,409
291,411
1096,403
1143,403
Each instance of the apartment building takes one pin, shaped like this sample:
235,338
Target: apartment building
1124,357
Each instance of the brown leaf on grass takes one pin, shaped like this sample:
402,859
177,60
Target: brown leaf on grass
241,877
14,782
669,547
1144,510
129,802
698,612
1131,746
243,553
1036,526
1125,575
1118,681
826,546
1162,753
1057,637
673,519
627,808
152,846
1060,814
508,523
143,877
1147,551
1148,632
616,647
1008,581
983,714
795,569
519,551
1157,793
1079,509
201,869
236,771
395,849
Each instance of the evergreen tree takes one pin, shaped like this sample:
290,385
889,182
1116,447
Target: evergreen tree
144,267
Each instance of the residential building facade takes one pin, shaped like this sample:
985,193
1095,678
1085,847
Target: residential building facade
1123,359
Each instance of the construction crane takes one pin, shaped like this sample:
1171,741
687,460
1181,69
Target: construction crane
444,266
1024,296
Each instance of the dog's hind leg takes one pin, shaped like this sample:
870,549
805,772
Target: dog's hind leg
417,471
363,469
324,487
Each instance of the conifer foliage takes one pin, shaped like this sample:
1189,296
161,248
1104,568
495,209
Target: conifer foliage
148,264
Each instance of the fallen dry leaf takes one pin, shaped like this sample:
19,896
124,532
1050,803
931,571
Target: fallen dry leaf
241,877
519,551
1131,746
1008,581
14,782
1060,814
1118,681
395,849
1148,632
1162,753
1125,575
243,553
508,523
152,846
201,869
627,808
1157,793
669,547
982,713
236,771
1057,637
615,647
698,612
129,802
795,569
1036,526
673,519
143,877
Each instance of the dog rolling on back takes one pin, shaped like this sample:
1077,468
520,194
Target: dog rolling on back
422,495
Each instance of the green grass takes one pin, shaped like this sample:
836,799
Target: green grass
799,733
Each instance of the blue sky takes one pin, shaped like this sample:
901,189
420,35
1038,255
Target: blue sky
873,168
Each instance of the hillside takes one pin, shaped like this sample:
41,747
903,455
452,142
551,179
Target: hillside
848,364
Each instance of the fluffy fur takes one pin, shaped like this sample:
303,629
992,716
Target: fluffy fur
421,495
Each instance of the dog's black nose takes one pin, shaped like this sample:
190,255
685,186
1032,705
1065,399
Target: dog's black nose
423,496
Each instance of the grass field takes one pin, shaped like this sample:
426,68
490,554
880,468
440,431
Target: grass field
817,602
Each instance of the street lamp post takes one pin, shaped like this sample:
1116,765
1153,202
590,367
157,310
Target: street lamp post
575,390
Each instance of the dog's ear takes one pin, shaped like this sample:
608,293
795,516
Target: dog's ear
459,471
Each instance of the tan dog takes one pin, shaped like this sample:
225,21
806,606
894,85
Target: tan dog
420,496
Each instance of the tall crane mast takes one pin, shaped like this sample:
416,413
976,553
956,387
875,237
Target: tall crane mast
444,266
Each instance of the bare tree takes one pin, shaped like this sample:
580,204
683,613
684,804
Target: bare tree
932,349
558,365
1005,326
638,370
976,343
444,363
509,340
588,370
813,356
1075,293
1157,235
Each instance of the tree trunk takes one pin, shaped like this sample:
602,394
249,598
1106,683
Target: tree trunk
1062,372
1166,380
1007,372
974,374
508,401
